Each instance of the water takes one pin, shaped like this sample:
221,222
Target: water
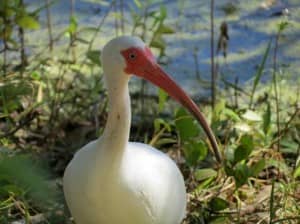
250,29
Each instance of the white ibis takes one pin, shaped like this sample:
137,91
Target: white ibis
113,181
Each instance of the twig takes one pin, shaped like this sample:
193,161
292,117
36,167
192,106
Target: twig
212,56
20,125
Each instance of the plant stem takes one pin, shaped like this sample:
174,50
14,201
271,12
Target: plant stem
286,127
99,27
275,83
212,56
4,56
73,35
49,25
116,19
195,54
236,82
122,16
22,49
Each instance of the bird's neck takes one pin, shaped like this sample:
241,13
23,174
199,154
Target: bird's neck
116,132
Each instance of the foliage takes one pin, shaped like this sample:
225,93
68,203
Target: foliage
23,187
50,106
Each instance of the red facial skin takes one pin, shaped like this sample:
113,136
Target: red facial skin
138,61
142,63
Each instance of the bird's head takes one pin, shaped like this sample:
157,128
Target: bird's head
126,55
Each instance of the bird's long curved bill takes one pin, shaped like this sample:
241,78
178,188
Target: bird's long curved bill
157,76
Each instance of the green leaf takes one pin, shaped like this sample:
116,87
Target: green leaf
163,12
165,141
194,152
138,3
73,25
220,106
289,146
282,25
241,174
231,114
163,29
11,188
267,119
228,168
244,149
162,98
229,153
297,172
259,72
158,43
12,92
28,22
7,11
203,174
36,75
185,125
218,204
94,56
257,167
26,175
158,122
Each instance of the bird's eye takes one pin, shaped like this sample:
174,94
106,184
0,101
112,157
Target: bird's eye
132,55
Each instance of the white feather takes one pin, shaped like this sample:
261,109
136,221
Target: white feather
113,181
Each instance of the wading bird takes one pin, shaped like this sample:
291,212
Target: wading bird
113,181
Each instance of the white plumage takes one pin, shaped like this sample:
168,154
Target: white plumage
111,180
144,187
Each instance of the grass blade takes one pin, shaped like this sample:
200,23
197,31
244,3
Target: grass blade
259,73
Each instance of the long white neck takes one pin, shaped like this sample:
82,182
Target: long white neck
116,133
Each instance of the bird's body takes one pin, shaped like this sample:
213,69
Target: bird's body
130,191
113,181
